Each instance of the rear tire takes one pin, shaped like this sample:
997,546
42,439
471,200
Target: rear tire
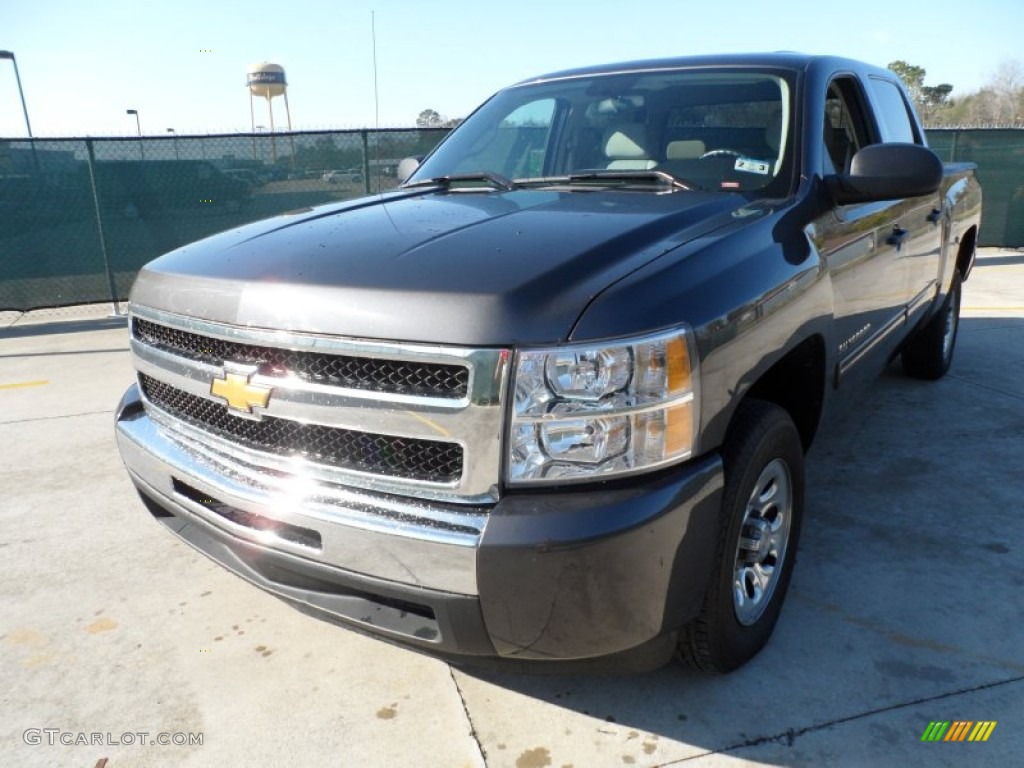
762,512
929,352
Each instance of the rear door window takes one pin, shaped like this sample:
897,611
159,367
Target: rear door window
893,113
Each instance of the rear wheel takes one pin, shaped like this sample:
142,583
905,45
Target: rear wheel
929,352
762,511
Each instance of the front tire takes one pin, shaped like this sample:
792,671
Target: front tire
929,352
762,512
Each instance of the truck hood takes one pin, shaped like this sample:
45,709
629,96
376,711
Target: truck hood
469,268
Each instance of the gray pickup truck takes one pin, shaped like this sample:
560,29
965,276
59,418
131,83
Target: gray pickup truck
549,400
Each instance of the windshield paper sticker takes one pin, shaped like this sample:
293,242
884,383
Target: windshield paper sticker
747,165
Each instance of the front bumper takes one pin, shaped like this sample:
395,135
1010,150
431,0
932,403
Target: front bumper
556,575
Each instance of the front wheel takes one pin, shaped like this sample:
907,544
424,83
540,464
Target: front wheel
762,510
929,352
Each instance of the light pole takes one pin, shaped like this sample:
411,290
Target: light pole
176,155
17,76
138,127
24,109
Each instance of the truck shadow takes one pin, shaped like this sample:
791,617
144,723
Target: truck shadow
1002,260
59,327
904,587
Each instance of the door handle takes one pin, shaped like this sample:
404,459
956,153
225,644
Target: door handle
935,215
898,236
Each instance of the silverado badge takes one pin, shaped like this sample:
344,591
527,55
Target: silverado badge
240,395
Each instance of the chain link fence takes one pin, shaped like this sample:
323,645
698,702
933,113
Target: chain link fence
79,217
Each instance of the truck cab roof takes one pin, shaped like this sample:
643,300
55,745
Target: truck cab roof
780,59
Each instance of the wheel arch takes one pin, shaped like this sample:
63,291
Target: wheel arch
965,254
796,383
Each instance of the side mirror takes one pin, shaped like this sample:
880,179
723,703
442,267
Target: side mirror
887,172
406,168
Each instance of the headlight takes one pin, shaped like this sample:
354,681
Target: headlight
601,410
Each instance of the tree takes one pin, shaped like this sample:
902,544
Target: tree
936,95
429,118
911,75
1007,86
931,101
1000,101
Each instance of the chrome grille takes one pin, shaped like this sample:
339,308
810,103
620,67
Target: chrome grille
414,420
398,377
402,457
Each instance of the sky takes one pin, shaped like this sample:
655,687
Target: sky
183,64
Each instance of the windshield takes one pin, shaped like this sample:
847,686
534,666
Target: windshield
725,130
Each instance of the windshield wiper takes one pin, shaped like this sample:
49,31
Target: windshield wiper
488,178
633,176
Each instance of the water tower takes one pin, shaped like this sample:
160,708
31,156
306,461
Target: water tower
268,80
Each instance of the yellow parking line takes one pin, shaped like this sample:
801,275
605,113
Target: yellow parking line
22,384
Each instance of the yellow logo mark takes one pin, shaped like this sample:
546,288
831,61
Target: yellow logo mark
958,730
980,732
240,394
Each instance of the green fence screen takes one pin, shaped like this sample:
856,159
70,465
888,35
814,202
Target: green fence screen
78,217
999,153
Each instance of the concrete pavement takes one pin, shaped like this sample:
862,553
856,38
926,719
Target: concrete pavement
905,606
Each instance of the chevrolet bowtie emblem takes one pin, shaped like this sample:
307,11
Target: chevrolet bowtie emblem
240,394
